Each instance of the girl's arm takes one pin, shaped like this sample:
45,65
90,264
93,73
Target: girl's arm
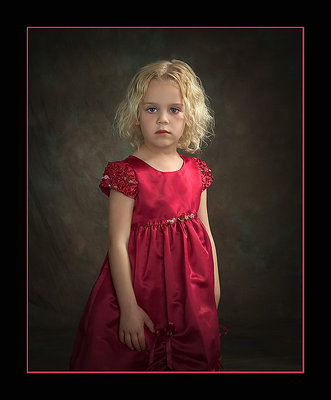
132,317
203,215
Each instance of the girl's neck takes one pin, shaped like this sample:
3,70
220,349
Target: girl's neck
165,161
145,152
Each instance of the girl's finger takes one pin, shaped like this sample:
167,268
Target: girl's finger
148,322
135,341
127,340
141,339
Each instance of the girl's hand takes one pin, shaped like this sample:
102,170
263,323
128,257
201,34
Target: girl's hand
131,330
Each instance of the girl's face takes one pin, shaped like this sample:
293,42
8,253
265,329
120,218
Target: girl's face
161,114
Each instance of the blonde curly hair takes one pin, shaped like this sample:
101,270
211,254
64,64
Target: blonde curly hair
199,122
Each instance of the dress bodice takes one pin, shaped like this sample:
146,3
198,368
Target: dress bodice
160,197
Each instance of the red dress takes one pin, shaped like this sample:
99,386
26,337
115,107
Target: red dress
172,274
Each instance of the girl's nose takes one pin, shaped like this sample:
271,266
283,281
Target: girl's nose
163,118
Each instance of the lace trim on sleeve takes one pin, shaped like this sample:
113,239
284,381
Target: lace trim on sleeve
206,175
119,176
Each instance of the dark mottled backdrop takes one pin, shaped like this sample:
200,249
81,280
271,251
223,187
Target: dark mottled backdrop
253,78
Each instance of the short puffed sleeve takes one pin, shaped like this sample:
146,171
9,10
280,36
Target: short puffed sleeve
205,173
121,177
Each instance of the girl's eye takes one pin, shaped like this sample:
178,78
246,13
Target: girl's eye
153,110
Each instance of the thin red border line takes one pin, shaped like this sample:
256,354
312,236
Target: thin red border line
27,203
168,27
303,200
166,372
303,192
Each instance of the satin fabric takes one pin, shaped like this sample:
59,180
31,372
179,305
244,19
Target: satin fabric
172,274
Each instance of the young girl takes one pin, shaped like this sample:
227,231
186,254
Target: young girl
154,304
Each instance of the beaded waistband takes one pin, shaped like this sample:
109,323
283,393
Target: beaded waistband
181,218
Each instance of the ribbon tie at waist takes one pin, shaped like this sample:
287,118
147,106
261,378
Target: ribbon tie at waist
164,336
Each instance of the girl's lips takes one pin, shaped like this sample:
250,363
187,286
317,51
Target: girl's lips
161,132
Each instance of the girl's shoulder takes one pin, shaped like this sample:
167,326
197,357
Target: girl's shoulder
200,163
119,176
205,172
